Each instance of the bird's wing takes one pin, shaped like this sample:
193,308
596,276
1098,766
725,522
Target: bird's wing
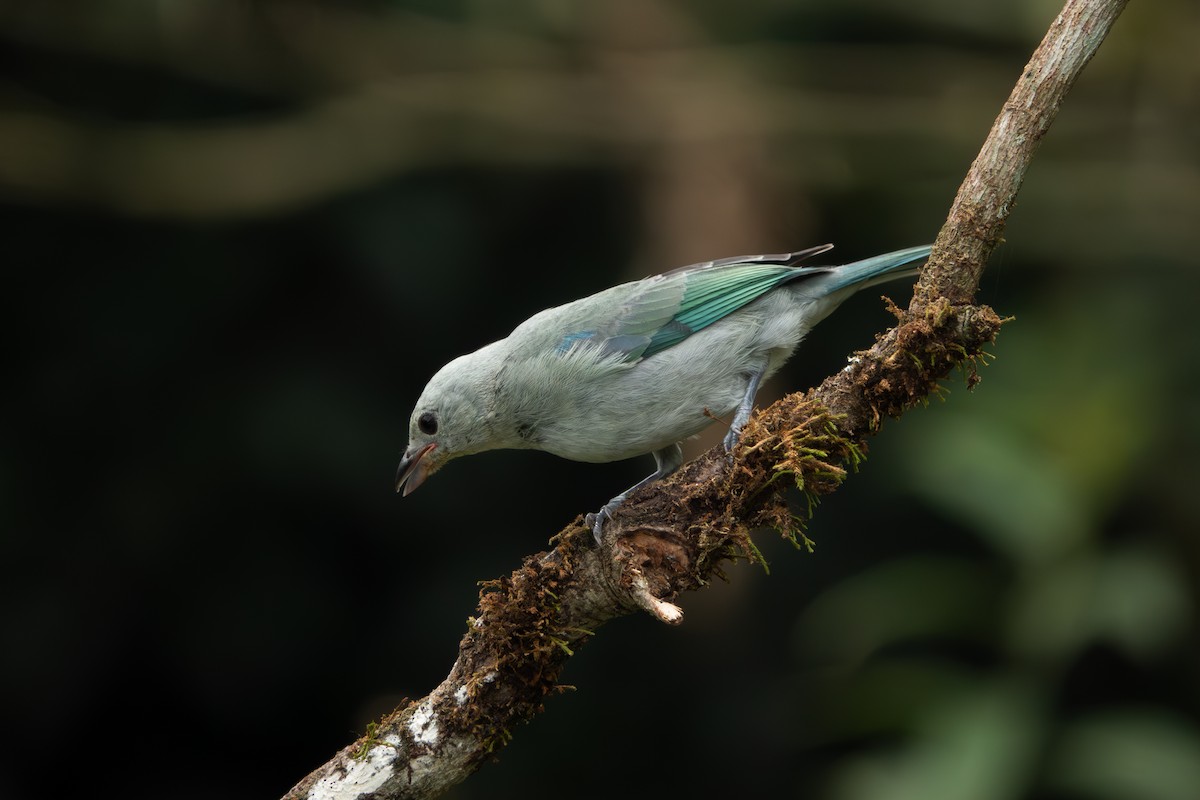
649,316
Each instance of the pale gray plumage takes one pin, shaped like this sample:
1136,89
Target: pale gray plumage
636,368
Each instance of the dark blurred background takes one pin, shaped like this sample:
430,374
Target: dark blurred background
239,237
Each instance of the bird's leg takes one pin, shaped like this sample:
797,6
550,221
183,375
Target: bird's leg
667,460
743,410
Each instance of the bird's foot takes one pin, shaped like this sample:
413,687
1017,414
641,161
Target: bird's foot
596,520
732,436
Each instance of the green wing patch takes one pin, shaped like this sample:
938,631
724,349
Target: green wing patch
713,294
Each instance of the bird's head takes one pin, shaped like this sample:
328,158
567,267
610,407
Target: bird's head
452,418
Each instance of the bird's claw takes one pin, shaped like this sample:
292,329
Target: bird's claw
732,436
667,459
596,521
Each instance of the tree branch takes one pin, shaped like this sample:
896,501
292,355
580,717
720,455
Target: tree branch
673,536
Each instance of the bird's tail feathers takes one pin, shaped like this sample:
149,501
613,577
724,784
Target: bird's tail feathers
877,269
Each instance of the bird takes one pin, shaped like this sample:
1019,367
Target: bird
637,368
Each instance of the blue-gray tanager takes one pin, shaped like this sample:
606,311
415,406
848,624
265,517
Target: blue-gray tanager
636,368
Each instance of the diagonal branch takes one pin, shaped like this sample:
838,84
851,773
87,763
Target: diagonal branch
673,536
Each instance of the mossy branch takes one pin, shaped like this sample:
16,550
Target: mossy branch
674,536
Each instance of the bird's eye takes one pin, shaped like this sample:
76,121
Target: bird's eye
427,422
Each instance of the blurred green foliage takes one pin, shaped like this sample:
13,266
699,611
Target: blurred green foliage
240,236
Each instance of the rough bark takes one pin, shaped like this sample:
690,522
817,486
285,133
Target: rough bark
673,536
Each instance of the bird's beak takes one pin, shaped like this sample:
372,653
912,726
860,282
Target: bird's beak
413,470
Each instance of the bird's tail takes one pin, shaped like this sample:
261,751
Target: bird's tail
870,271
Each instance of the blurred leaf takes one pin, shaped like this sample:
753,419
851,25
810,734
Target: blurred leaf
1129,755
979,745
1134,599
904,598
880,698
